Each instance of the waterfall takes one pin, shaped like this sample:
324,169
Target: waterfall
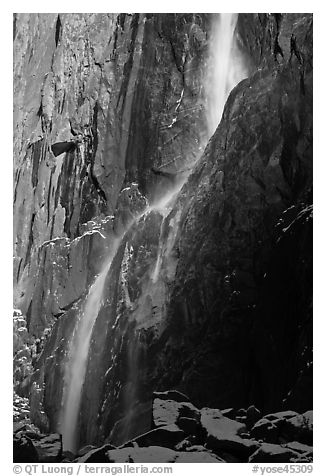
226,67
77,359
225,71
76,365
159,255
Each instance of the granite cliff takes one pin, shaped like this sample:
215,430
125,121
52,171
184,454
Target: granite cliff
210,294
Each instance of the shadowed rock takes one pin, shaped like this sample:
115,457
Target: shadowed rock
35,447
167,436
60,147
97,455
49,448
299,428
281,415
269,453
190,426
265,430
253,415
24,451
174,395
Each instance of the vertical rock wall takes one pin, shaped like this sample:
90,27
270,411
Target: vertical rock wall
228,321
131,87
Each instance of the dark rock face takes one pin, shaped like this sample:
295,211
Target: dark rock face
237,278
212,296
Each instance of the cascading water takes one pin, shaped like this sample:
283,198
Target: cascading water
77,360
159,256
226,67
226,70
76,365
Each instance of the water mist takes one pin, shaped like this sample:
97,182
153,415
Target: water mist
226,67
77,361
225,70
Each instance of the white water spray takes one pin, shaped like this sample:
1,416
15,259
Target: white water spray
77,360
158,262
226,70
76,365
226,67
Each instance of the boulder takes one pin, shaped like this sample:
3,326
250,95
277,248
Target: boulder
166,436
157,454
183,445
265,430
241,448
86,449
49,448
229,458
196,448
299,428
253,415
215,423
198,457
97,455
269,453
302,459
32,434
241,419
136,421
68,457
224,434
229,412
299,447
171,395
306,451
24,451
167,412
281,415
190,426
152,454
19,426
